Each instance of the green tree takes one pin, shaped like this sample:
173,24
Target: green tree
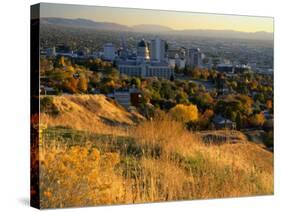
204,100
181,97
167,90
136,81
238,121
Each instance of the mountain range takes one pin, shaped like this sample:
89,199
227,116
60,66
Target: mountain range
90,24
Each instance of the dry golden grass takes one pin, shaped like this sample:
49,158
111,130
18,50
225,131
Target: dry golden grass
89,112
173,164
167,134
227,170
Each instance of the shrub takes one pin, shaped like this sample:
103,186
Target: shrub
75,176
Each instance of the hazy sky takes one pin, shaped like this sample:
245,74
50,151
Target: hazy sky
174,20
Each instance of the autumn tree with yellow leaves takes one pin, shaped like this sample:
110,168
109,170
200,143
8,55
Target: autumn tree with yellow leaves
184,113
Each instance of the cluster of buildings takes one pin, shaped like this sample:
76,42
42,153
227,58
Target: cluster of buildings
231,68
152,59
64,50
181,57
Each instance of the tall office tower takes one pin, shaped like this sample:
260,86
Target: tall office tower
195,57
157,50
123,51
109,51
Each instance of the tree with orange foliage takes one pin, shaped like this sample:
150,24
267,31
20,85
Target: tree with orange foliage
257,120
269,104
71,85
205,74
82,84
196,73
209,113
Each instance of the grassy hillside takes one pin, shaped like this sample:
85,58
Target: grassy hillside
94,152
95,113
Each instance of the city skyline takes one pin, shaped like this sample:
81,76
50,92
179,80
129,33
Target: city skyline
177,20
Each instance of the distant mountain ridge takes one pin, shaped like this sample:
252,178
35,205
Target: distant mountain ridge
260,35
90,24
83,23
151,28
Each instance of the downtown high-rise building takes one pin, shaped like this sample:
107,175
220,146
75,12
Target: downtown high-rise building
195,57
158,49
109,51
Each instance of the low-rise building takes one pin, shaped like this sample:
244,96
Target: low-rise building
227,68
221,123
127,97
123,97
